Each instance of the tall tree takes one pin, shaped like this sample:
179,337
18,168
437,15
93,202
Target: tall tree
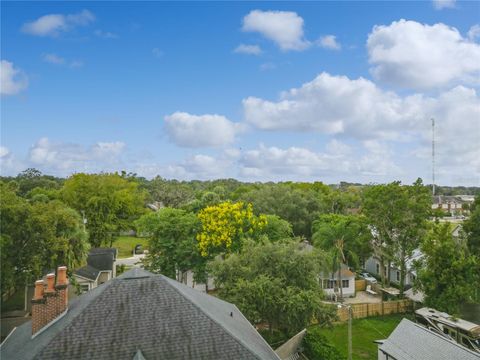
273,283
471,226
36,237
173,248
398,217
346,237
448,274
109,202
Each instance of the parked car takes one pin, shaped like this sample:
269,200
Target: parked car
138,249
368,277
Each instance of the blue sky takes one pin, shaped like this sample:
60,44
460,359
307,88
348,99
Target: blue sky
324,91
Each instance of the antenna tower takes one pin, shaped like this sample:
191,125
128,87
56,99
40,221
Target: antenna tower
433,156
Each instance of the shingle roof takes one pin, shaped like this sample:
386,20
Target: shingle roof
140,311
88,272
102,258
410,341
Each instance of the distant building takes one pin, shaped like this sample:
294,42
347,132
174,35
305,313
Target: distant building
372,265
138,315
100,268
410,341
452,204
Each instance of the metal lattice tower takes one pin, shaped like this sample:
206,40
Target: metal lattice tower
433,156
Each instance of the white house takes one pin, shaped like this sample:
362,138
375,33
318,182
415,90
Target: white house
329,280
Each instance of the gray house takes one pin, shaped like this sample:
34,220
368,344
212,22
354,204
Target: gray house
410,341
138,315
100,268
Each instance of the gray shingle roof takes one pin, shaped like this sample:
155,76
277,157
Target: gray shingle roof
410,341
88,272
142,311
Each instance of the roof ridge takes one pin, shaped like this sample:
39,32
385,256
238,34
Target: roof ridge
164,278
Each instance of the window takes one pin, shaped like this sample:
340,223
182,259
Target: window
398,275
84,288
328,284
345,283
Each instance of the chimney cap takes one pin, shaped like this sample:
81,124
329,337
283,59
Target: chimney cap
39,282
50,275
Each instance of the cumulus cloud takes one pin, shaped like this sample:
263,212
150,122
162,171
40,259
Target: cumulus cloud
12,79
248,49
64,158
474,32
417,56
443,4
284,28
336,105
329,42
9,165
207,130
55,24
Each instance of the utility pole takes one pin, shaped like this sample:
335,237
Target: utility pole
349,332
433,156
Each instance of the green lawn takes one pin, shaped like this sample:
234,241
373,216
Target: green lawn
126,244
364,332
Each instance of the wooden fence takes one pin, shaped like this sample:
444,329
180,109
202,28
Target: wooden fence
360,285
383,308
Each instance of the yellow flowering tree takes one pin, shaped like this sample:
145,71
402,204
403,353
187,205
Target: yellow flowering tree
226,225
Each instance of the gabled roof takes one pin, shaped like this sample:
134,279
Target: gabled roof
99,259
88,272
141,311
410,341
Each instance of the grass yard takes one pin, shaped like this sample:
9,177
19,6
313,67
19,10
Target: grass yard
364,332
126,244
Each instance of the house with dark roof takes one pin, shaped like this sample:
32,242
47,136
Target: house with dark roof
411,341
138,315
100,268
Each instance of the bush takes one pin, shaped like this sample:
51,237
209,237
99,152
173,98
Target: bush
317,347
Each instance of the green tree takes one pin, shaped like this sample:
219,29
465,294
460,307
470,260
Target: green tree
398,216
346,237
109,202
471,226
447,274
274,283
173,248
298,204
36,237
276,228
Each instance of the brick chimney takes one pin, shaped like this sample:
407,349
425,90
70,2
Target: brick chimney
49,303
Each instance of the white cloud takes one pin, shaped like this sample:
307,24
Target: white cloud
418,56
54,24
8,163
105,34
189,130
338,161
12,80
443,4
285,28
329,42
248,49
58,60
267,66
474,32
53,59
336,105
65,158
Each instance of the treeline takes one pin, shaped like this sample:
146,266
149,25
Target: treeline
263,243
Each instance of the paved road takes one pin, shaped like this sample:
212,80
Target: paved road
134,261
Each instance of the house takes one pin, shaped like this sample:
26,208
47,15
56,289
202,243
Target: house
100,268
452,204
411,341
372,265
328,282
138,315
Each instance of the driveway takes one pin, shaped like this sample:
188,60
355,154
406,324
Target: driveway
362,297
134,261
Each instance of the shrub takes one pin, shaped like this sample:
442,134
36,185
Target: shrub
317,347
